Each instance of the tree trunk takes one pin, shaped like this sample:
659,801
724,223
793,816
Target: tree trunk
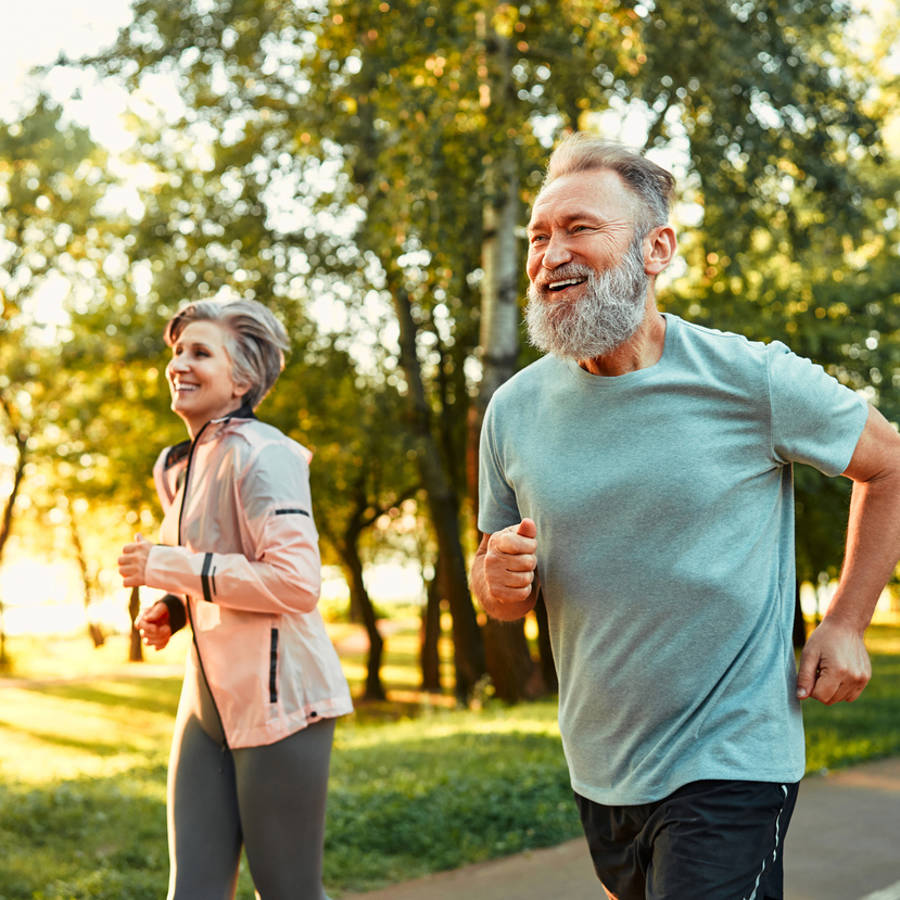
468,646
500,316
514,674
95,632
509,661
508,658
429,644
545,651
18,475
799,636
442,501
135,649
6,526
360,601
443,506
354,611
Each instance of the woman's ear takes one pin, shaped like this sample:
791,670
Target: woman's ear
240,389
659,249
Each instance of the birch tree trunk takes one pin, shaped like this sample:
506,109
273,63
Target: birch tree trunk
508,657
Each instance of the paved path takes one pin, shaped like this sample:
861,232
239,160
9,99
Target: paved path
843,844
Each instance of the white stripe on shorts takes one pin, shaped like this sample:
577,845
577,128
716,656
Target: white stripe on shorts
762,868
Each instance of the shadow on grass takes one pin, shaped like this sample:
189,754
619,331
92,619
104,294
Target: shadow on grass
399,706
153,695
96,748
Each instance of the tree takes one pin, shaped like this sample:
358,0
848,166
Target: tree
409,130
796,241
20,439
422,225
54,240
359,472
234,164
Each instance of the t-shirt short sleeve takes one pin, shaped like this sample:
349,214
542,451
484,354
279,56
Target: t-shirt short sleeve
815,419
497,506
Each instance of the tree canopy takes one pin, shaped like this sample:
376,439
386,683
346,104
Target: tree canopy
366,169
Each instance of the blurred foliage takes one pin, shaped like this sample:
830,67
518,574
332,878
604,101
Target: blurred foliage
334,159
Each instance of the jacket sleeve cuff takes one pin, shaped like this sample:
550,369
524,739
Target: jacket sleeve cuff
169,569
177,612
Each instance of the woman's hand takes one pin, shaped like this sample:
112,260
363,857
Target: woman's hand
154,627
133,561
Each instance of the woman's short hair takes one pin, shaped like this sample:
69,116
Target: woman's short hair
582,152
254,340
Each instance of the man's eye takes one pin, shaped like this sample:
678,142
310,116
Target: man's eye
537,238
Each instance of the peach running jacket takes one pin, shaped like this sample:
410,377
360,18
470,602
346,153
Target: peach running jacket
239,544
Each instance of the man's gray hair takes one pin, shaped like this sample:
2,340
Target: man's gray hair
582,152
254,340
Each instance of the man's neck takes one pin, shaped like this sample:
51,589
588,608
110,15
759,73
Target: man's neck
642,350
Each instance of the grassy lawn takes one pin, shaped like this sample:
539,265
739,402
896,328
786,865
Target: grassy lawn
83,762
869,728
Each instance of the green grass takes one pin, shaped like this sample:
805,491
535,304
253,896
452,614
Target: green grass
868,728
443,790
82,804
83,766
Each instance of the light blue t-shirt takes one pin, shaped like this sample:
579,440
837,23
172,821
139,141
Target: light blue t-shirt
663,500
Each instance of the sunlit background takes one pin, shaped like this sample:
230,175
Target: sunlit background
44,595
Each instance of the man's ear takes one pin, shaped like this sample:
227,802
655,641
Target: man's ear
659,249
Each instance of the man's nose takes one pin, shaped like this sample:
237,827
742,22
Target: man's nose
556,252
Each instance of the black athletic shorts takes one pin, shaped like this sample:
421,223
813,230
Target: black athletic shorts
709,840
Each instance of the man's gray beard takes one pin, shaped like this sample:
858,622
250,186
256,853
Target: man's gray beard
606,316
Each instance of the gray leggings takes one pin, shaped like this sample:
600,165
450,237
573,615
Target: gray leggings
269,799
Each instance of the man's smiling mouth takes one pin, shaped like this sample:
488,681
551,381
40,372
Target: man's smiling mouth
556,286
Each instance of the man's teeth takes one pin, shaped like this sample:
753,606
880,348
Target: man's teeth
559,285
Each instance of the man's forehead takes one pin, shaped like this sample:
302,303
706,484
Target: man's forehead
597,192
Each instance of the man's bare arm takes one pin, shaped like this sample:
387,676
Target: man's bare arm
835,664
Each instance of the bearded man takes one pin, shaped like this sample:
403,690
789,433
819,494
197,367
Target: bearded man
644,468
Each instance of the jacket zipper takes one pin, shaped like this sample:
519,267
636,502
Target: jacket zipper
273,666
184,490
